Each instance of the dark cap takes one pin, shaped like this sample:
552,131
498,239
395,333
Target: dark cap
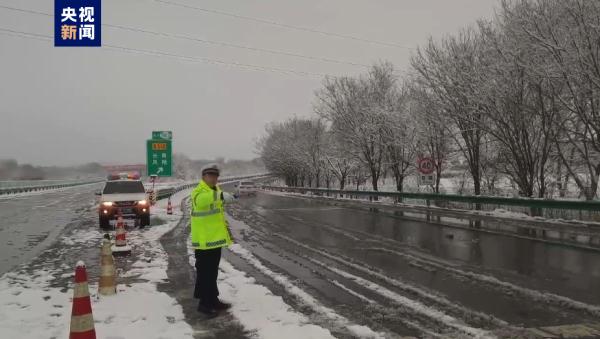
210,169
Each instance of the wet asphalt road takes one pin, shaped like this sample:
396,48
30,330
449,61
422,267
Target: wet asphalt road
30,223
481,281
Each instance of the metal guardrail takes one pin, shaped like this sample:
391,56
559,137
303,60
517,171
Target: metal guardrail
31,187
547,208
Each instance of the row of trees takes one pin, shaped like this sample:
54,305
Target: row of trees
364,130
517,97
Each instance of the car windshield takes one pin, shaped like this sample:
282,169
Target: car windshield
124,187
247,183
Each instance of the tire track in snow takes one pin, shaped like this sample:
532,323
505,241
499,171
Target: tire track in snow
340,322
370,301
544,297
375,312
259,229
414,305
434,315
430,296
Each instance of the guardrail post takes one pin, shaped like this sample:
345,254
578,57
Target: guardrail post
478,222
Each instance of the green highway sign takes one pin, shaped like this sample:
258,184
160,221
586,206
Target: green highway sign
165,135
159,154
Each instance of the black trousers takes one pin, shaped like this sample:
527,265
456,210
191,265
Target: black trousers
207,270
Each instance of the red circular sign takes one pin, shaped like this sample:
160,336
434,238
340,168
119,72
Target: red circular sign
425,165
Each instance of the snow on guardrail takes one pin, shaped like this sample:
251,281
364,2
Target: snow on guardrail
13,187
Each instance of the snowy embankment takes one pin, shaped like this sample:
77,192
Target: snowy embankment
31,306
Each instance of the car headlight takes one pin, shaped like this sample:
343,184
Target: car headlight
107,203
142,202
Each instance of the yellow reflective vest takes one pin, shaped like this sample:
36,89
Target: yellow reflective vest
209,226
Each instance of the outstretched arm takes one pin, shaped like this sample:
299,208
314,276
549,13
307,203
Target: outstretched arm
228,197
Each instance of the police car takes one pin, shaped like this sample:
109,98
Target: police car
123,195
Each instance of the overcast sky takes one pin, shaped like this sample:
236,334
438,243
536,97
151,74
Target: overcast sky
64,106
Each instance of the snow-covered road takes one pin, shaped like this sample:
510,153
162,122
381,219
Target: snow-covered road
29,222
35,298
299,269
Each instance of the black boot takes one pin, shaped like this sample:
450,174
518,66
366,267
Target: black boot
208,310
221,306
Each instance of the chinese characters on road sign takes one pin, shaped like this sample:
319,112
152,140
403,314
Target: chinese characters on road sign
77,23
159,157
425,167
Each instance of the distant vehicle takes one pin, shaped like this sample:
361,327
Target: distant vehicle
126,197
124,175
246,188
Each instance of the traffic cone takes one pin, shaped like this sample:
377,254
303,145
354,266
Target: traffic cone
169,207
120,221
107,285
120,247
82,321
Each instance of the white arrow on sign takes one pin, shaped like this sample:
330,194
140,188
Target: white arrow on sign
160,169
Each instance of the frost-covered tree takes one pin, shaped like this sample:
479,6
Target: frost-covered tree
431,130
519,114
358,112
294,150
339,162
562,36
450,70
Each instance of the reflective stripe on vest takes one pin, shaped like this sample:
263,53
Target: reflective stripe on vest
205,213
194,201
216,243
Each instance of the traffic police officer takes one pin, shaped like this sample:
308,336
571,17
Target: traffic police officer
209,234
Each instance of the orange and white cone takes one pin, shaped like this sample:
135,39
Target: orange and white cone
120,247
120,221
82,321
169,207
107,285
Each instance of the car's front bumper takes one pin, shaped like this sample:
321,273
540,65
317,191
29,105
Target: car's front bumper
126,212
